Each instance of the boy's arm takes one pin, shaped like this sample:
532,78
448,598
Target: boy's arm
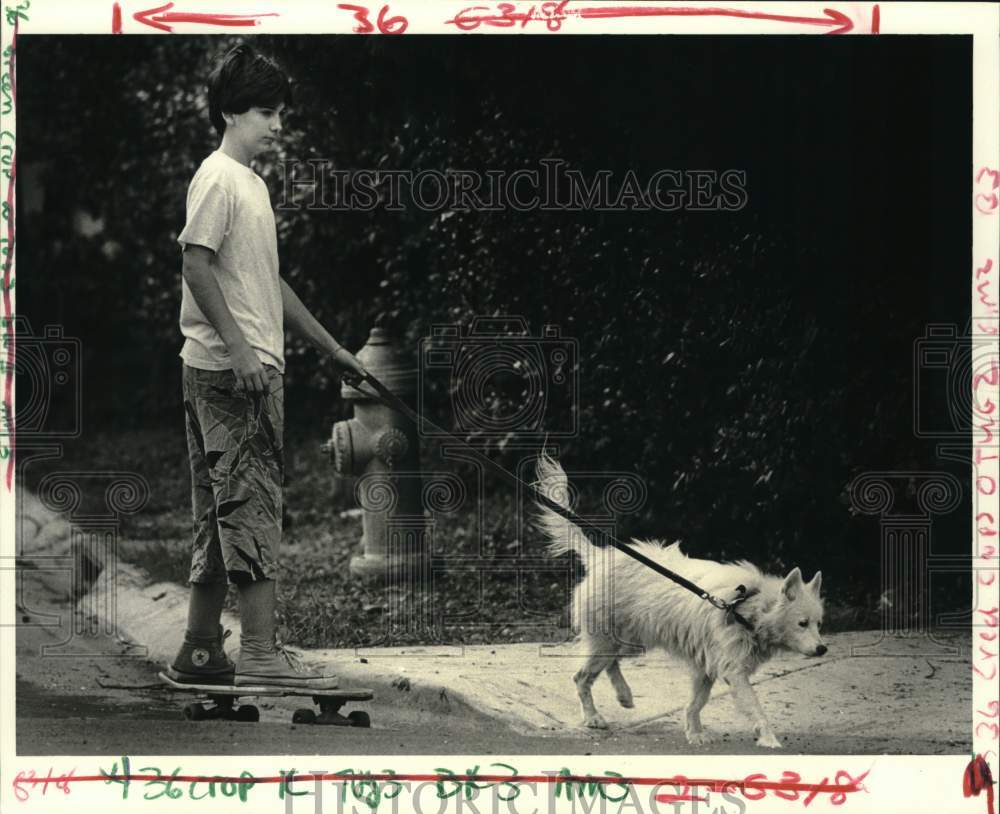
198,274
298,317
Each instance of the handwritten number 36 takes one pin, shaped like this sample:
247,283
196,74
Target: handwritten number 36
386,25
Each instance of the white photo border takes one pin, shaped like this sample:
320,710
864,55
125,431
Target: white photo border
891,783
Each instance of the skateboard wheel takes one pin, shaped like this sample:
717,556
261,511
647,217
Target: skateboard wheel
360,718
304,716
195,712
248,713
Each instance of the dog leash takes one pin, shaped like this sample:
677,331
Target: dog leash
390,399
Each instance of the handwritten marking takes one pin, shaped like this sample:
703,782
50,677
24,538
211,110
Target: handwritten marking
984,405
16,13
10,94
60,782
506,15
986,202
984,271
991,619
386,25
116,19
161,15
24,782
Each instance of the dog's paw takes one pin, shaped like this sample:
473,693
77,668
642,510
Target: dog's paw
768,740
595,721
625,699
699,738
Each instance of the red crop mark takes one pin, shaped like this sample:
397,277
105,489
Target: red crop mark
839,22
161,15
978,778
680,798
876,19
116,19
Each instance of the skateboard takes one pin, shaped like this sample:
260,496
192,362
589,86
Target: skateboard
224,696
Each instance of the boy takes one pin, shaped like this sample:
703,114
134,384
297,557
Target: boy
234,308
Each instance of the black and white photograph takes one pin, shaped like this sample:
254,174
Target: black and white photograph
552,392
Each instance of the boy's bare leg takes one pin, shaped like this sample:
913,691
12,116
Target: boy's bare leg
205,608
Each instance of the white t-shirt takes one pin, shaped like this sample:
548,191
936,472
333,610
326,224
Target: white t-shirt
229,211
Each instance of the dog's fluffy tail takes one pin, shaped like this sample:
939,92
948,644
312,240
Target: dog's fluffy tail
563,534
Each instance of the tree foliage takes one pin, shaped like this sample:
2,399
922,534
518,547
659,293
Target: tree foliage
747,365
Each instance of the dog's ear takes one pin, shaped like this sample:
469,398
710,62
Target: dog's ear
792,584
815,582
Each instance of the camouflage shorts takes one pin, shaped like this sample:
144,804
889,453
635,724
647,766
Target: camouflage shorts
237,465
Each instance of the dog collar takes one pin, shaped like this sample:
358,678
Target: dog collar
742,595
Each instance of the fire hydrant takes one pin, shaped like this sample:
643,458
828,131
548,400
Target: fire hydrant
379,447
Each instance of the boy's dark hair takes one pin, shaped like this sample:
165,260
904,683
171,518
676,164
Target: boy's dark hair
245,79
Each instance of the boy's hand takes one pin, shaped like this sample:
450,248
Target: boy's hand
354,371
249,370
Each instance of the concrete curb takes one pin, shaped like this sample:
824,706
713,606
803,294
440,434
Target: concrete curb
153,616
149,618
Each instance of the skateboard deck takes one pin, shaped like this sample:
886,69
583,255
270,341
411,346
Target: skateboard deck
224,696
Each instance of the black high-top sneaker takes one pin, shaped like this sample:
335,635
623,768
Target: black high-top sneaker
203,661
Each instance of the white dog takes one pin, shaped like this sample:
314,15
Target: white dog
622,606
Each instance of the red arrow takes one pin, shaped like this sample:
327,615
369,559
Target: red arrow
832,18
161,15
